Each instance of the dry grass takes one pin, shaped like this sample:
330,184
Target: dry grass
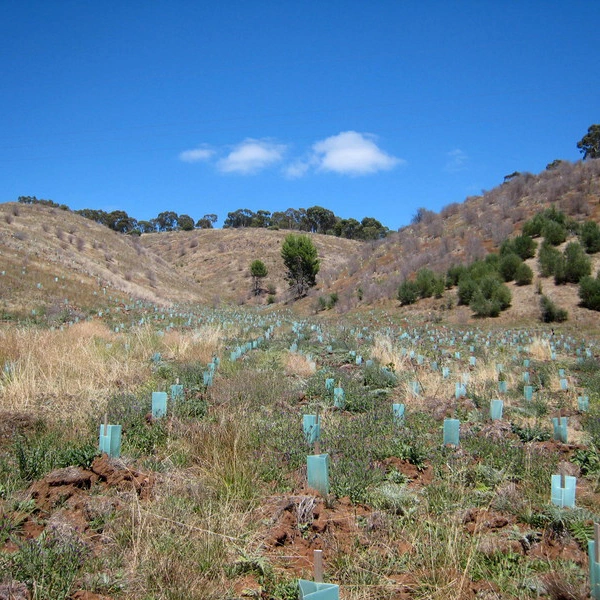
219,259
298,365
69,374
539,349
386,353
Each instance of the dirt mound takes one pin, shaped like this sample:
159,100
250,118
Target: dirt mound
73,482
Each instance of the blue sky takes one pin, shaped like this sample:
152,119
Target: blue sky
365,108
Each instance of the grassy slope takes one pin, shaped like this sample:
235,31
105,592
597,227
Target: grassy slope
39,244
73,259
219,259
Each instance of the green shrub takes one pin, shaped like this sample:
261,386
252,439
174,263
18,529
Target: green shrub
466,288
523,275
482,306
589,236
408,292
453,275
429,284
508,266
548,259
554,233
550,313
575,265
589,292
523,246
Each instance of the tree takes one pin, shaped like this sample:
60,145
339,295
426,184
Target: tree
185,222
320,219
119,220
548,259
574,266
242,217
300,259
589,145
508,266
207,221
408,292
166,221
523,274
589,292
589,236
258,270
549,312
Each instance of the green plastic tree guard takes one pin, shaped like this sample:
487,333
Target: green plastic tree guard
159,404
398,411
502,386
560,429
110,440
528,392
496,407
583,403
311,428
317,467
176,392
451,432
311,590
339,398
329,384
594,561
563,495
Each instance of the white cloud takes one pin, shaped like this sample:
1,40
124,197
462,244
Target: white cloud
251,156
457,161
352,153
196,155
297,169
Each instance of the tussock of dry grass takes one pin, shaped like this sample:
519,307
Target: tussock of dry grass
539,349
386,353
299,365
201,346
70,374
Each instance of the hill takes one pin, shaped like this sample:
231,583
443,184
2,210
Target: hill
463,232
55,262
218,260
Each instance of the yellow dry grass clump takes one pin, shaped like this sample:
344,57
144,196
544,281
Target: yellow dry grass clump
69,374
385,352
299,365
540,349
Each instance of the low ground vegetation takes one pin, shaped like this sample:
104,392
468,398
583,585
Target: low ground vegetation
211,501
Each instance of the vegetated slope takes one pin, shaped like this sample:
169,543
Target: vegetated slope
218,260
463,232
53,260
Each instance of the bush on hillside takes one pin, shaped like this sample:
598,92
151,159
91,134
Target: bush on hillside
509,263
548,259
554,233
589,236
408,292
573,266
589,292
523,275
551,313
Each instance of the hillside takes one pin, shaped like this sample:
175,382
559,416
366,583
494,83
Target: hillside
54,261
463,232
218,260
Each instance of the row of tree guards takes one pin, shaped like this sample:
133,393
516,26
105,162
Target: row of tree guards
563,488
